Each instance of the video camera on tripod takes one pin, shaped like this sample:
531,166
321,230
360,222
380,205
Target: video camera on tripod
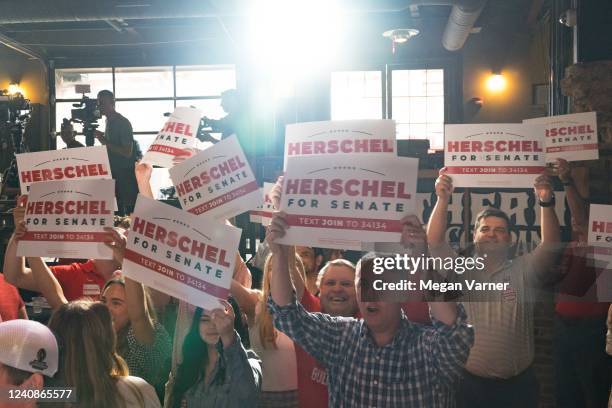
13,108
87,113
15,111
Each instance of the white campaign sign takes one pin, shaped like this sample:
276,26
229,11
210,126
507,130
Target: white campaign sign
179,133
349,137
600,239
570,137
217,182
67,164
263,213
188,257
494,155
66,219
347,201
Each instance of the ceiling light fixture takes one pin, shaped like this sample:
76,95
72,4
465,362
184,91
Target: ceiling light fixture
400,36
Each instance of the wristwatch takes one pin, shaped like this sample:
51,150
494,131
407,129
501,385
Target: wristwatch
548,203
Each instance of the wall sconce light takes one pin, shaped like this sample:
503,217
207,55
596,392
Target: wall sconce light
476,101
14,89
496,82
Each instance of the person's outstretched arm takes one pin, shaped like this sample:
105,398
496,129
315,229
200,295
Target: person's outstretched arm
15,271
319,334
576,203
436,227
545,255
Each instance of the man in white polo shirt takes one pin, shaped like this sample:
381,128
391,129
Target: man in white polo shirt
499,369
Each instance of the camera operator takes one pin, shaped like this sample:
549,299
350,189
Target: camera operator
123,151
227,124
68,135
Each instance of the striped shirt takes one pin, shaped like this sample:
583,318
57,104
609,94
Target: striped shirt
503,324
417,369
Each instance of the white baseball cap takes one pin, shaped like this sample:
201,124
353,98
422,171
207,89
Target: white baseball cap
29,346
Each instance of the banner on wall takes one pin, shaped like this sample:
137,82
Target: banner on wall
179,133
217,181
349,137
263,214
494,155
570,137
178,253
66,164
66,219
352,200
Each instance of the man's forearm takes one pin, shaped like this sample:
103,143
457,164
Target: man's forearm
14,268
47,283
281,287
446,312
551,231
576,204
436,227
145,189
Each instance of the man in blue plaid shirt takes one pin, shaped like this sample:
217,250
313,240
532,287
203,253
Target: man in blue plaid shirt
383,360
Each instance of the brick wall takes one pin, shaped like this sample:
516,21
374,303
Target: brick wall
543,362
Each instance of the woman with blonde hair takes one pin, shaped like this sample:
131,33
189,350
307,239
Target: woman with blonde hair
276,350
89,362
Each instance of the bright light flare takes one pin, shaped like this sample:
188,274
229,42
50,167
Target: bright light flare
14,89
292,34
496,83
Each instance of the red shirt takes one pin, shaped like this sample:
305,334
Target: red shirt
417,312
312,377
10,301
79,280
579,280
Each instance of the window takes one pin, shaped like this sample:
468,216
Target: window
417,104
204,80
144,95
415,99
66,79
149,82
356,95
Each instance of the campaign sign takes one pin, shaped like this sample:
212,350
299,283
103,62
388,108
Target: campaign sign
66,219
600,240
570,137
600,231
494,155
340,137
352,200
217,181
263,213
67,164
183,255
179,133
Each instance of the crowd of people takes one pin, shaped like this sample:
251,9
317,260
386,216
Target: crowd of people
309,337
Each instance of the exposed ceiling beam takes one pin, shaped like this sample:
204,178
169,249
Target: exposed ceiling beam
40,11
17,46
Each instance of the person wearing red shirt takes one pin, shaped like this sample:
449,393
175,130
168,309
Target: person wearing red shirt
582,368
78,280
11,304
336,282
